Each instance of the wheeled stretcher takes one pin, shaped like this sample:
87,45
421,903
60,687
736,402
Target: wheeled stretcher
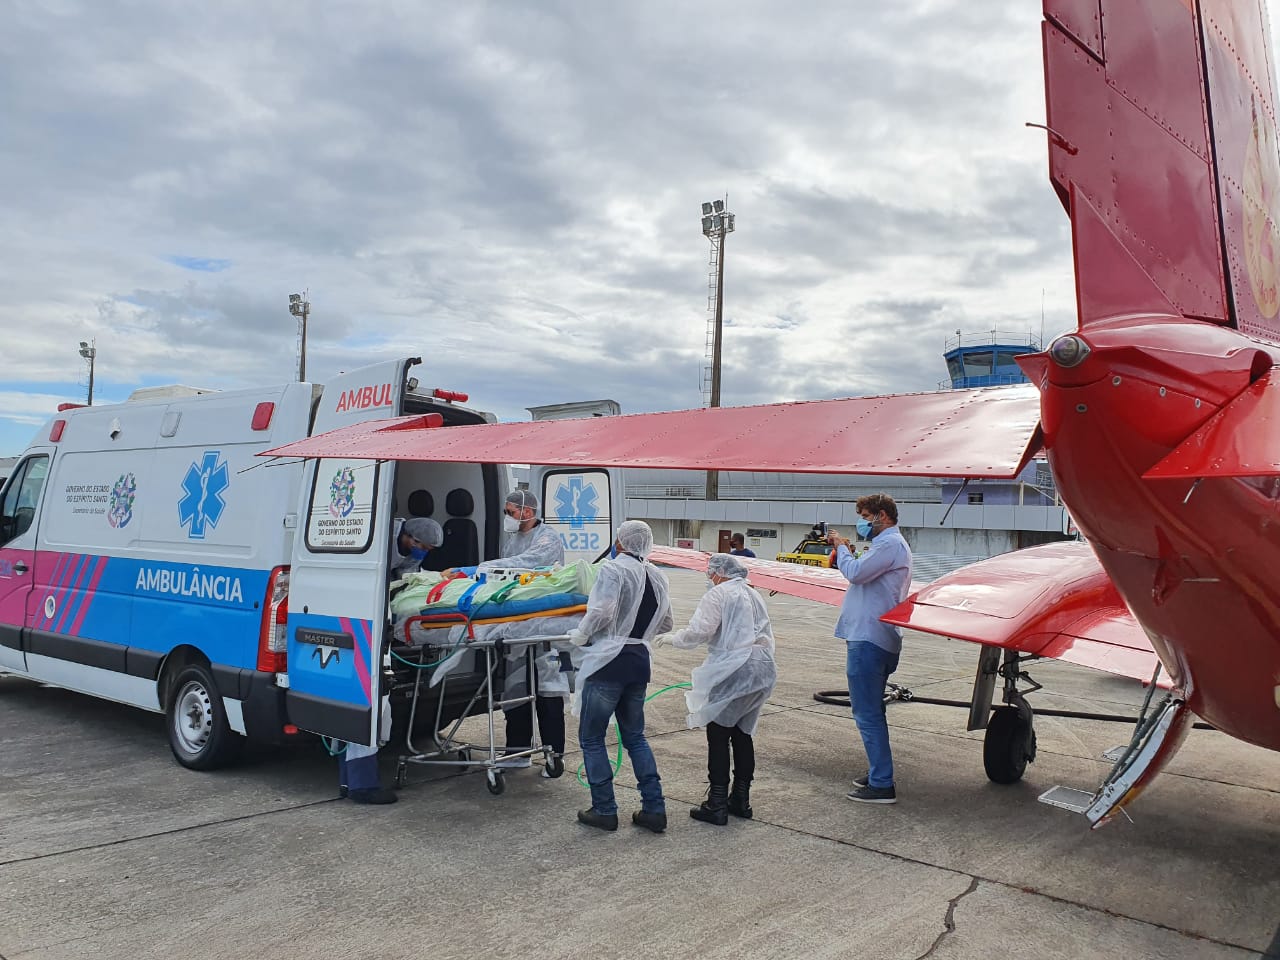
516,645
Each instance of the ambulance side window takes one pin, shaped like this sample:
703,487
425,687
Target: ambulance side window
21,497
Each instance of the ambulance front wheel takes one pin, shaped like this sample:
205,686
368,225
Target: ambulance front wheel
198,732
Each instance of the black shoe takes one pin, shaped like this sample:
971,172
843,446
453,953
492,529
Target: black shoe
342,791
871,794
740,799
657,822
553,767
715,809
862,779
600,820
372,795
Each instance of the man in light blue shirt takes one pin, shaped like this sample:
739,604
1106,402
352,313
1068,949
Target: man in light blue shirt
878,581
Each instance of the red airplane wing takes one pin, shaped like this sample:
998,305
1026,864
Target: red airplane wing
1053,601
1241,440
822,584
990,432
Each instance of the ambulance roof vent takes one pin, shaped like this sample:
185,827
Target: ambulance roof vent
172,391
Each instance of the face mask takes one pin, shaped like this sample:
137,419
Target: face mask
613,552
864,528
509,523
418,553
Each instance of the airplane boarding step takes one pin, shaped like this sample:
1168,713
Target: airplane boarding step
1068,798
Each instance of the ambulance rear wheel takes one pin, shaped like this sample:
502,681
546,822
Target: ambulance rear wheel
197,721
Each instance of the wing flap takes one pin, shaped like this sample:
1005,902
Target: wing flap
1053,601
1240,440
963,433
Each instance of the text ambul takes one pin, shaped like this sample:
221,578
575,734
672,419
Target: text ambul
363,398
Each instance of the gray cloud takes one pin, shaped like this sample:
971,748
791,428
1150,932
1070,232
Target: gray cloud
511,191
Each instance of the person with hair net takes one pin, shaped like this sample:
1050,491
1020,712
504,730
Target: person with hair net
530,544
418,536
628,605
731,686
358,776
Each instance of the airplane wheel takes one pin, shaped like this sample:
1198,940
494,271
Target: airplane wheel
1009,745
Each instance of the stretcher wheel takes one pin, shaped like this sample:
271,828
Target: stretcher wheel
401,770
497,782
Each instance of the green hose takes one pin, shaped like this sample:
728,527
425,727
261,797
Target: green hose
617,761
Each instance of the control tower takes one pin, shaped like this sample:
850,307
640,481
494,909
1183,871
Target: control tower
986,359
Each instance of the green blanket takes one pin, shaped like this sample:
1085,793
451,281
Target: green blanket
410,594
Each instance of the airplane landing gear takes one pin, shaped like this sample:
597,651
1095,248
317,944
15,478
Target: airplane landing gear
1010,742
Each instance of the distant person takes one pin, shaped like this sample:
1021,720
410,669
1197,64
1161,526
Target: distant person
738,547
628,606
731,686
879,580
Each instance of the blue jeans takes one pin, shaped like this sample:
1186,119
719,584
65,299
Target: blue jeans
869,668
600,701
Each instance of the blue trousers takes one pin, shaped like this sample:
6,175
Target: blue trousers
868,668
600,701
358,767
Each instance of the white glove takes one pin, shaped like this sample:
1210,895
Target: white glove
577,638
662,638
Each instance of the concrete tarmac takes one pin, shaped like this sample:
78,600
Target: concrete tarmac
109,849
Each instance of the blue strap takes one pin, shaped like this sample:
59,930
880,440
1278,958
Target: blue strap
464,601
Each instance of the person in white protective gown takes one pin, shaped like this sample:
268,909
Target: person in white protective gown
415,540
358,776
629,605
530,545
731,686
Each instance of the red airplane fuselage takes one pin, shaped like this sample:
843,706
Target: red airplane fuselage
1195,561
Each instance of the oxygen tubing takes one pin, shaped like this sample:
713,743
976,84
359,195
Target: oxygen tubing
616,764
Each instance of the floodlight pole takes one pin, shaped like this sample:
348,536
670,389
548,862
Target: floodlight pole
300,307
717,224
89,351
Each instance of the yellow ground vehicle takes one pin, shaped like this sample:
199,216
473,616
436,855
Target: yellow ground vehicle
812,551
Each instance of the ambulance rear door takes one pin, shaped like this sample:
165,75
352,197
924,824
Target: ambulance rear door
339,576
584,506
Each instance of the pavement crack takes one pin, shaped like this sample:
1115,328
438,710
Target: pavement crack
949,921
165,833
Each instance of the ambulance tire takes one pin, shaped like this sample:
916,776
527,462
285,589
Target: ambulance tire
197,721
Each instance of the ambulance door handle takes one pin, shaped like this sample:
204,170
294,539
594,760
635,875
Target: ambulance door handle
20,567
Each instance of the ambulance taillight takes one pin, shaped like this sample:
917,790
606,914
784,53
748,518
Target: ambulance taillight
274,637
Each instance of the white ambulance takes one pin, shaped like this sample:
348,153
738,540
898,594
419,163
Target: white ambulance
148,556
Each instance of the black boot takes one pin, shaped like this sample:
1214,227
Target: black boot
715,809
740,799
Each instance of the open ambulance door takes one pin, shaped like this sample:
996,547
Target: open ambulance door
584,506
339,574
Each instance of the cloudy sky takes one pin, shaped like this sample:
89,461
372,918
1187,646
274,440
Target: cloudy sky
511,190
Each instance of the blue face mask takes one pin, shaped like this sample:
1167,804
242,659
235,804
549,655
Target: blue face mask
418,553
864,528
613,551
